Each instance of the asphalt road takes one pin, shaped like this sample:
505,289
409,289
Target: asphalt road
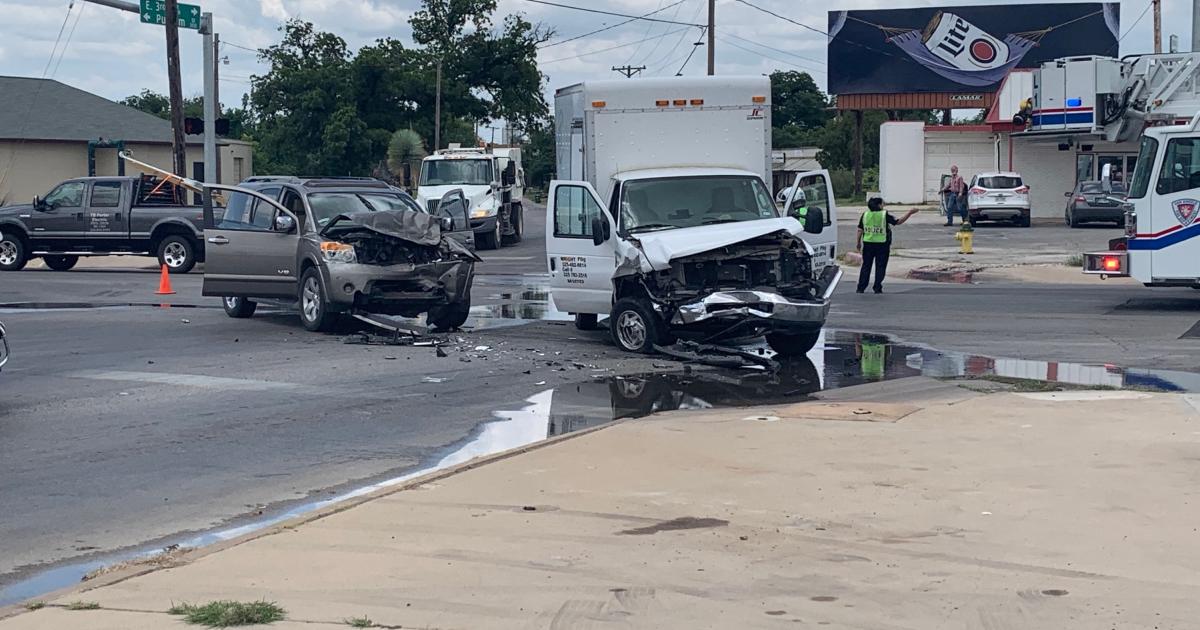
123,426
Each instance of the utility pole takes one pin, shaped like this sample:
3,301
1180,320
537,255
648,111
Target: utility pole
629,71
216,88
210,107
437,109
1195,25
712,36
1157,26
178,148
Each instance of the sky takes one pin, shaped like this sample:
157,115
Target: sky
110,53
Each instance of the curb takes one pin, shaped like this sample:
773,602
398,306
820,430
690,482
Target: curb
935,275
134,571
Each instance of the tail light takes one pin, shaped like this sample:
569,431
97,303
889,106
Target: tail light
1111,263
977,191
1023,190
1080,200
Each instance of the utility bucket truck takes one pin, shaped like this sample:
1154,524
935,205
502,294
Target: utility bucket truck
662,219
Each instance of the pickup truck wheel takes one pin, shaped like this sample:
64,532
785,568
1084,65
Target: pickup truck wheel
60,263
635,326
314,308
518,225
178,253
793,344
586,321
12,252
238,307
450,316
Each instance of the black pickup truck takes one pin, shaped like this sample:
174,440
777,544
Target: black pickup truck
99,216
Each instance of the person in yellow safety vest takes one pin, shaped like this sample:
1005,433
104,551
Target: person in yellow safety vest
875,242
799,210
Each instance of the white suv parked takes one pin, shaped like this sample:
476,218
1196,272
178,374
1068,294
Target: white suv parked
998,196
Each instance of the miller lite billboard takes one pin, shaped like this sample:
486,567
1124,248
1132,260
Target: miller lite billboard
952,49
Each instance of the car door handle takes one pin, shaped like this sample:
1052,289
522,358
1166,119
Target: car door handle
218,240
553,265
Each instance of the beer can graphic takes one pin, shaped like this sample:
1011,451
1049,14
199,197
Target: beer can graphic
962,44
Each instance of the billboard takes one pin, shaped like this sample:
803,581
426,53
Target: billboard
956,49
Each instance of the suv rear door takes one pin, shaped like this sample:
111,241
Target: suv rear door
248,253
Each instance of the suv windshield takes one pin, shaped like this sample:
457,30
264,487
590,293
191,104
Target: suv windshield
654,204
326,206
999,181
448,172
1098,187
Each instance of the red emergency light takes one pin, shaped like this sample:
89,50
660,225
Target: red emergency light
1111,263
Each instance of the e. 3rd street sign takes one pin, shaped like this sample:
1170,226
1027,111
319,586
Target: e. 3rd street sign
155,12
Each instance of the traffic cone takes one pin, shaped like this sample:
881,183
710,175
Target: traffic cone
164,283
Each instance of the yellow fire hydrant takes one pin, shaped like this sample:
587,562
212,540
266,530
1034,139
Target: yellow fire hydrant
965,237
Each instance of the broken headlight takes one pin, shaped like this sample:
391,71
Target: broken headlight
338,252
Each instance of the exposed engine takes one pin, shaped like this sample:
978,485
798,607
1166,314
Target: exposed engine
777,263
372,248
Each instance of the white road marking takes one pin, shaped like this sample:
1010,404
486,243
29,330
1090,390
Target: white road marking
187,380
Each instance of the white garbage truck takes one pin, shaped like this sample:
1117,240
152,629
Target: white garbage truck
492,181
661,217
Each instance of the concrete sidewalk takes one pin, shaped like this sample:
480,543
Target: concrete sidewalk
933,506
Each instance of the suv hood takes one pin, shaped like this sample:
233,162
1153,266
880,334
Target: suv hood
412,227
660,248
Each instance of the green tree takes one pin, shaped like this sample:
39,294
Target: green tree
798,109
405,150
538,156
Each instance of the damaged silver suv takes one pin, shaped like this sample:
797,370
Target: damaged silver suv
334,246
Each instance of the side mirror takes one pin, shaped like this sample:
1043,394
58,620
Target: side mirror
1106,178
1067,194
601,232
285,223
814,221
38,204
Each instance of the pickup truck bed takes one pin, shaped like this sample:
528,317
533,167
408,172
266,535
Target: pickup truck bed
99,216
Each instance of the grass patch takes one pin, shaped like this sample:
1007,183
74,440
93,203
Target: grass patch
35,605
83,606
223,614
1075,260
360,622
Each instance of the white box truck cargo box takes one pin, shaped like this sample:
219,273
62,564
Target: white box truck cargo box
608,127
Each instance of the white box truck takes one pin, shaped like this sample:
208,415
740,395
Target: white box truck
661,217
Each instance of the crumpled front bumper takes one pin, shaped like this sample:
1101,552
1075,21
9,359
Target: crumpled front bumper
400,288
732,306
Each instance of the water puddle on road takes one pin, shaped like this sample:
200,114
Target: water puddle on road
843,359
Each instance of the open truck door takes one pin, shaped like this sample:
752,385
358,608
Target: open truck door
580,248
453,206
818,193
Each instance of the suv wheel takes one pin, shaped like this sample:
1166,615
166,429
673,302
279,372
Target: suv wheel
635,326
314,308
60,263
238,307
12,252
793,344
449,316
178,253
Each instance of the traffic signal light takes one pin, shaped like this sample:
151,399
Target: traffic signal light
193,126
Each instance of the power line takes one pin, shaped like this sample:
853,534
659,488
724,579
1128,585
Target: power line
695,16
762,54
247,48
695,46
657,43
783,17
63,53
606,28
778,50
1135,22
624,15
650,28
593,52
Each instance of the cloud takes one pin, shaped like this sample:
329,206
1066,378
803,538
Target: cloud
273,9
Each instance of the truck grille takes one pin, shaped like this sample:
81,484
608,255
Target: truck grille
432,205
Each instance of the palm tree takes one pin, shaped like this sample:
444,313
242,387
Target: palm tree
405,152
